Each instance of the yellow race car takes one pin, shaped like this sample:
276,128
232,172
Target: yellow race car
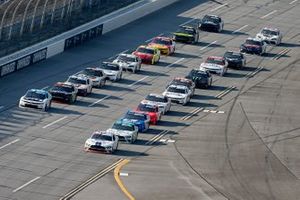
164,44
148,54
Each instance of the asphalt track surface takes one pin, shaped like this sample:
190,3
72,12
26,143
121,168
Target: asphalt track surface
248,150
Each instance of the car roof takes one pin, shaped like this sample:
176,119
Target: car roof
215,58
102,133
124,123
188,27
128,55
254,39
148,105
79,77
178,86
156,95
181,79
93,68
39,91
146,47
162,38
63,84
136,113
214,16
271,29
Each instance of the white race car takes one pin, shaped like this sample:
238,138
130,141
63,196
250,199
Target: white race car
178,93
96,75
83,84
113,71
126,131
36,98
215,64
129,62
163,103
102,141
270,35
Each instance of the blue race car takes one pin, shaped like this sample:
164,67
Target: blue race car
141,120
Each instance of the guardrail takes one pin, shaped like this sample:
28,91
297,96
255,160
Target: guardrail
79,35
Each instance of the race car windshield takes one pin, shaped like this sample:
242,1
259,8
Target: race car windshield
178,82
146,108
145,50
133,116
232,55
101,137
269,32
253,42
161,41
198,73
77,81
110,67
176,90
126,58
123,127
90,72
156,99
36,95
186,31
63,89
210,19
215,61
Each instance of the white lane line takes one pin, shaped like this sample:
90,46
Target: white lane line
209,45
138,81
10,143
26,184
217,8
157,137
46,87
237,30
189,21
177,61
280,54
225,92
124,51
60,119
274,11
292,2
92,104
153,37
192,113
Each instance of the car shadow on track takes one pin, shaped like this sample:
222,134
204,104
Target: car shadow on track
128,153
203,97
183,55
88,104
201,105
170,123
204,44
117,88
151,73
218,87
231,32
176,113
234,75
128,82
289,45
65,111
165,64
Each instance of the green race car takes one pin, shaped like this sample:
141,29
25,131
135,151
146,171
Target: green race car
186,34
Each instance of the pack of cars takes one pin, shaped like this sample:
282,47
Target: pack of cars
150,110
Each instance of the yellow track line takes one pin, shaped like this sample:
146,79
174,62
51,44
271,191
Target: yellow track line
120,183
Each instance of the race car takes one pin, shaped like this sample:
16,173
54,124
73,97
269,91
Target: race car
82,83
102,141
112,71
163,103
64,91
235,59
165,44
270,35
147,54
185,82
201,78
211,23
36,98
126,131
186,34
178,93
151,110
215,64
129,62
96,75
254,45
141,120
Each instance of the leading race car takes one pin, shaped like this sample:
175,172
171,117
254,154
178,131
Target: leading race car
186,34
201,78
163,103
185,82
178,93
235,59
215,64
82,83
141,120
36,98
113,71
151,110
148,54
102,141
165,44
254,45
126,131
129,62
270,35
96,75
64,91
211,23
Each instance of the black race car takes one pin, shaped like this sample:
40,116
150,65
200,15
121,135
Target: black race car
254,46
201,78
211,23
235,59
64,91
186,34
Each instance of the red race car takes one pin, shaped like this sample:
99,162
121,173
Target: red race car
164,44
151,110
148,54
